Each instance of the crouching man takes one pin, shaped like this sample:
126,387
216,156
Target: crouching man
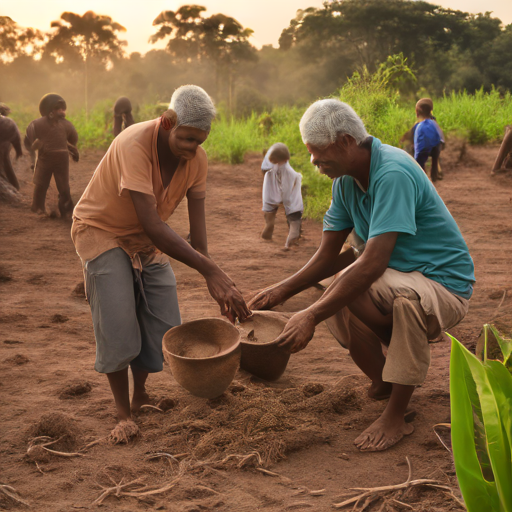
413,280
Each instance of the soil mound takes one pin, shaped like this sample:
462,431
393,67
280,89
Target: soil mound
75,389
56,425
18,360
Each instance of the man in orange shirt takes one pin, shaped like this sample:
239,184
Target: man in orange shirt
120,234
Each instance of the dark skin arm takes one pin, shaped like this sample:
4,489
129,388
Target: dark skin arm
220,286
356,280
197,220
326,262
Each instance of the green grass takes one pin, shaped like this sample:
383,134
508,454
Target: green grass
480,118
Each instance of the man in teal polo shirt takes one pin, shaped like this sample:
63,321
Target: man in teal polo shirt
413,280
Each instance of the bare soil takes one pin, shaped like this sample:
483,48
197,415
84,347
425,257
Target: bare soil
303,425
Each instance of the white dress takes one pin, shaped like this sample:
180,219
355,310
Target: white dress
281,185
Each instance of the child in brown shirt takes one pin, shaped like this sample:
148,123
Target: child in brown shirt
54,138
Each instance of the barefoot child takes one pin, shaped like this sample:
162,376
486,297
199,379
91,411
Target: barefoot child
428,137
54,138
281,184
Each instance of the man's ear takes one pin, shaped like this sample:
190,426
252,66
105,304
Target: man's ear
344,141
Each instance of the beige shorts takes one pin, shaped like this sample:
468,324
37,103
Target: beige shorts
422,309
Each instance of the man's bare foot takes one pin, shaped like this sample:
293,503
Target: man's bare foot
380,390
383,434
124,432
139,400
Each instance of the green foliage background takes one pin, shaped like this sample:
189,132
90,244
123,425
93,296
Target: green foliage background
479,118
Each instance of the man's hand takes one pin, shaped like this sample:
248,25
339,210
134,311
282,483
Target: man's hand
267,298
223,290
298,332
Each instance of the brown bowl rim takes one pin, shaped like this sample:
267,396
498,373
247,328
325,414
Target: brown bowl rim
216,356
256,344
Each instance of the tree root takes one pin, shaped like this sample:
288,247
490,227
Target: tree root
372,494
135,489
34,446
151,407
13,494
306,491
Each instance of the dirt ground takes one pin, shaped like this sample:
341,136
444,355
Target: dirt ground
47,345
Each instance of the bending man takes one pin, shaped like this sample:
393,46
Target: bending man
413,280
121,236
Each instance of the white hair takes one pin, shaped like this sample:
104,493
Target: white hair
193,107
324,120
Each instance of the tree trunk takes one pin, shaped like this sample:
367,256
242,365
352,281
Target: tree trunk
86,88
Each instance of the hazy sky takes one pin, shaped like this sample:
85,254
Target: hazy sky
266,17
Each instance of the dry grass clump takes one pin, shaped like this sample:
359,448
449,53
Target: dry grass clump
250,426
59,319
75,389
18,360
56,425
79,290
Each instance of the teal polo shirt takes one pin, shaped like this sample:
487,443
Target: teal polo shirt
400,198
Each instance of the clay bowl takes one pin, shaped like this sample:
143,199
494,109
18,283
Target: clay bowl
204,355
259,355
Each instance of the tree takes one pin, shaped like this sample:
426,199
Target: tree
219,38
16,41
89,39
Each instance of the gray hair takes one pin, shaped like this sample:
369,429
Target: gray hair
193,107
324,120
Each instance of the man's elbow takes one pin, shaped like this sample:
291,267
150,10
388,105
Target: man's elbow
372,269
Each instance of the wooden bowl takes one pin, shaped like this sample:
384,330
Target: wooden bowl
204,355
259,355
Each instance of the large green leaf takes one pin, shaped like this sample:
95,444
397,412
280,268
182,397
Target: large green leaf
495,408
505,345
481,395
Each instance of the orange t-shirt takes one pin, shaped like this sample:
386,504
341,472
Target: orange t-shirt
105,216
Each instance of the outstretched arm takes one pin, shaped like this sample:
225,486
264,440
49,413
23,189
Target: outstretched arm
326,262
346,288
220,286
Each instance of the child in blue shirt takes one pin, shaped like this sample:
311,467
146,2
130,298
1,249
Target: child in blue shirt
428,137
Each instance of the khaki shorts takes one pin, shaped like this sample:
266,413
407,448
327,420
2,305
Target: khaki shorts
422,309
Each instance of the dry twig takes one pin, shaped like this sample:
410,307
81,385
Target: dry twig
93,443
371,494
119,489
13,494
151,407
32,446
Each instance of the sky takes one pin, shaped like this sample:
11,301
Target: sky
262,16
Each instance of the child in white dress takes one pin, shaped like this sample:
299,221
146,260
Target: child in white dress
281,185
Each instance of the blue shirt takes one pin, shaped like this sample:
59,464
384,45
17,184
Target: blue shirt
400,198
427,135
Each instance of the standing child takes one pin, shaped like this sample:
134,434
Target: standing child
428,137
504,159
54,138
122,115
281,184
9,136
